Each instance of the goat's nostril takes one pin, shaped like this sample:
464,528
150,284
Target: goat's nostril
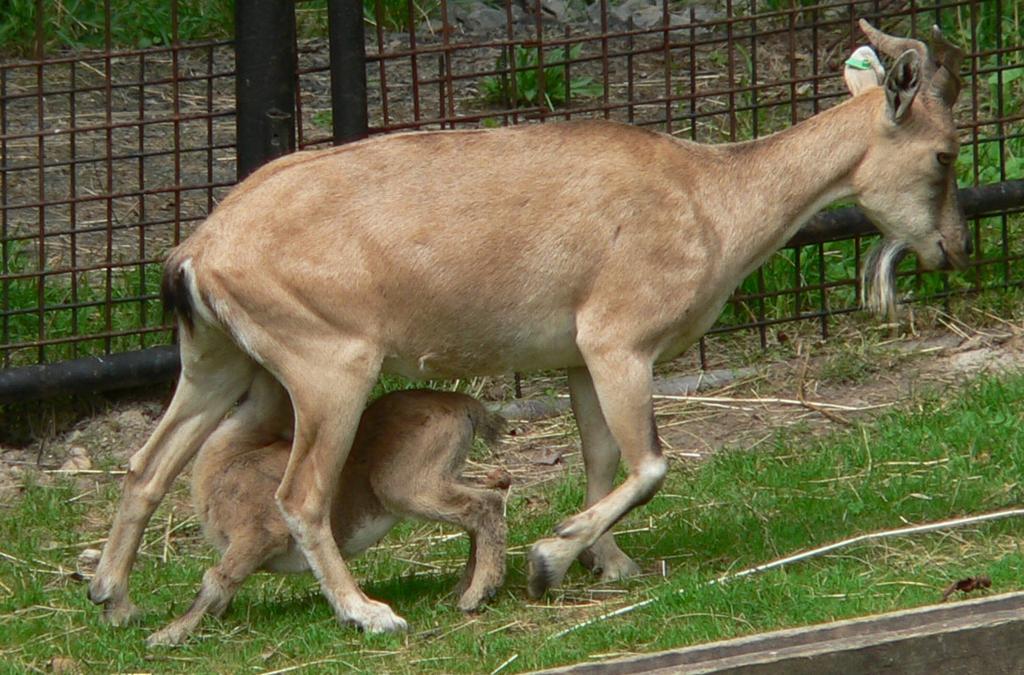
969,244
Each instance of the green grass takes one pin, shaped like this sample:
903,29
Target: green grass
61,320
949,455
80,24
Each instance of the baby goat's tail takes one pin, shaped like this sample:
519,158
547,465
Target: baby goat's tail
487,425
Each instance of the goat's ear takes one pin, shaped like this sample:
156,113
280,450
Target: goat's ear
863,70
902,84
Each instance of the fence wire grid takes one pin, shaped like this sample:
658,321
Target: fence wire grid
111,156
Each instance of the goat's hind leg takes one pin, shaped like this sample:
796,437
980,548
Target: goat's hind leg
478,511
215,373
485,523
328,403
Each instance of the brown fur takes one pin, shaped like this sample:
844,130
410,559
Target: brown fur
405,462
592,246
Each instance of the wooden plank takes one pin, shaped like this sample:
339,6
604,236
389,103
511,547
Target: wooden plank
985,635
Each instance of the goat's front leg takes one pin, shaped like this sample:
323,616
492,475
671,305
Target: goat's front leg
601,460
623,383
220,584
328,403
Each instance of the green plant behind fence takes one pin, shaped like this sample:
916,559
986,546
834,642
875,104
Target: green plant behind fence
76,24
527,84
80,24
80,309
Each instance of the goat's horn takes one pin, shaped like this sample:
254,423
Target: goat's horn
946,82
944,52
893,46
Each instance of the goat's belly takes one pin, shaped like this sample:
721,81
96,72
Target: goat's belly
291,561
539,349
356,539
365,534
677,341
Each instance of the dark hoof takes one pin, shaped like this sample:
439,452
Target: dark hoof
540,575
118,609
121,614
97,594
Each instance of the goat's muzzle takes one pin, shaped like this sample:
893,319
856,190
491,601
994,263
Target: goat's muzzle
958,261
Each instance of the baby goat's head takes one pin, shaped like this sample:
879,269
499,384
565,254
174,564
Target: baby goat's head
906,182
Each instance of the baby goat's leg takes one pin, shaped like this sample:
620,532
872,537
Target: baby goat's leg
468,571
485,569
220,583
476,510
416,475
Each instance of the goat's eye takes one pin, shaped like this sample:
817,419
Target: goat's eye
944,158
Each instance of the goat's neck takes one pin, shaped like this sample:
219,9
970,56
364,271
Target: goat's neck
784,179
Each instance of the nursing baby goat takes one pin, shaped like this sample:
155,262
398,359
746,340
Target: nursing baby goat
409,449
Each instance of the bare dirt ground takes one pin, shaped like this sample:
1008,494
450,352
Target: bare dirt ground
804,381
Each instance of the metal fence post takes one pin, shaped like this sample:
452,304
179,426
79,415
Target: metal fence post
348,70
265,81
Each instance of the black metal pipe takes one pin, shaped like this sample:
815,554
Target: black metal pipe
845,223
161,364
88,375
265,63
348,70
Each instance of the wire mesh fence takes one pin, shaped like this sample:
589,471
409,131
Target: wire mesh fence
108,160
110,156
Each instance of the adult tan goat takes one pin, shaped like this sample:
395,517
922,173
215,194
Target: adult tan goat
592,246
405,462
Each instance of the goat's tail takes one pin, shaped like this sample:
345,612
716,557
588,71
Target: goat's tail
487,425
174,290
